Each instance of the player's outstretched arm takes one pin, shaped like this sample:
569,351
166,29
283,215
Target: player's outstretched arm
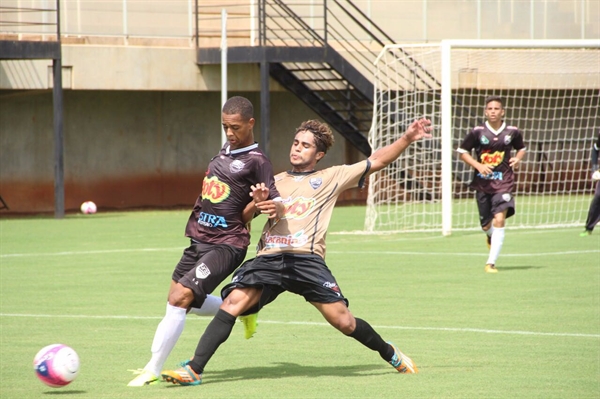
417,130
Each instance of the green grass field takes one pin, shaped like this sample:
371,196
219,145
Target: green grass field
99,283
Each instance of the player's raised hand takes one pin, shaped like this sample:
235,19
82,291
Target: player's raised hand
420,128
260,192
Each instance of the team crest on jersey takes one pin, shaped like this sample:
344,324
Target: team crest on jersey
215,190
202,271
507,139
506,197
236,166
484,140
298,208
315,182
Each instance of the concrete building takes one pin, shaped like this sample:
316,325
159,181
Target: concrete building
142,116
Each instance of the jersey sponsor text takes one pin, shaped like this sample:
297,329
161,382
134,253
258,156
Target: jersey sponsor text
214,190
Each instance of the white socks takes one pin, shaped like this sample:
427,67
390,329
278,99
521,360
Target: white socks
489,231
210,307
497,241
165,338
170,328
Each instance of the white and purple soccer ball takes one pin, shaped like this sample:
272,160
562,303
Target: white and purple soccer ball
88,207
56,365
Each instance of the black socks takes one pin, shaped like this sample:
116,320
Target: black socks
366,335
216,333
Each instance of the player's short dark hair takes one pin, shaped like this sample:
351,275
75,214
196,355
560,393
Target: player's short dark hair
322,133
239,106
494,98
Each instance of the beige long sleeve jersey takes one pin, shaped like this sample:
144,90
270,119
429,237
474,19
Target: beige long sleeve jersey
309,199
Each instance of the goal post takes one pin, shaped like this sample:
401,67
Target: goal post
551,93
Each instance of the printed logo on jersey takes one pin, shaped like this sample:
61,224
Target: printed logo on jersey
209,220
202,271
298,208
491,176
492,158
292,240
484,140
507,139
506,197
315,182
236,166
214,190
333,287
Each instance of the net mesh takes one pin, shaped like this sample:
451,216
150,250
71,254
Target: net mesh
550,94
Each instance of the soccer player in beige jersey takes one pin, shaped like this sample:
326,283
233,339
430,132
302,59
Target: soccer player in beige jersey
291,255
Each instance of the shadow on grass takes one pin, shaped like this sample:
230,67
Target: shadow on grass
517,268
285,370
66,392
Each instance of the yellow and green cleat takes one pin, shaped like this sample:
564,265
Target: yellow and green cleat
489,268
250,323
144,378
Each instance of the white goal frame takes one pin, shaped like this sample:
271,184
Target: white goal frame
444,124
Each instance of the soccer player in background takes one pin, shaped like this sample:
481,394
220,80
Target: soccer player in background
219,237
291,251
593,216
493,179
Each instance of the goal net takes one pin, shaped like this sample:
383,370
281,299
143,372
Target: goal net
551,93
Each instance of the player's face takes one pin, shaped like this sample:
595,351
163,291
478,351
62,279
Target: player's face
304,154
494,112
238,130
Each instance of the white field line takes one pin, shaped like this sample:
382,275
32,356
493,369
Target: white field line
538,254
94,252
114,251
303,323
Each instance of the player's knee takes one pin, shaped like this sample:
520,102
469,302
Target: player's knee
181,296
345,324
237,302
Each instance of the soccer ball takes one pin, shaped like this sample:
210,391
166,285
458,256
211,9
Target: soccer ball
88,207
56,365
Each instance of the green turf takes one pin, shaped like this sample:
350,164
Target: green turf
98,283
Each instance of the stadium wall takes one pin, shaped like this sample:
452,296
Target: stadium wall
140,126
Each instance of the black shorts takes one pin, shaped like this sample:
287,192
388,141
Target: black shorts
203,267
491,204
305,275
